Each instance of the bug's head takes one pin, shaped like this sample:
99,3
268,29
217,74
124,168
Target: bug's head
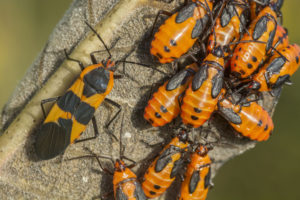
254,85
202,150
218,52
183,135
109,65
120,165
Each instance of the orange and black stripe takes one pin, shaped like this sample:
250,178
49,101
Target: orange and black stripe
72,112
164,106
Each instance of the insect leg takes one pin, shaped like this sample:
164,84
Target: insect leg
156,18
72,59
47,101
96,132
115,116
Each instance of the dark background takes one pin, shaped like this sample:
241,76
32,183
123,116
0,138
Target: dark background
270,171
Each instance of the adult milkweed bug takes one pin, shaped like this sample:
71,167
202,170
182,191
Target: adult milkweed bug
72,112
197,179
125,183
163,170
181,30
277,70
247,118
201,97
164,106
253,48
229,25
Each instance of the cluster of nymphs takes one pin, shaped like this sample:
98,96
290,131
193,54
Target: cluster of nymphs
247,53
247,47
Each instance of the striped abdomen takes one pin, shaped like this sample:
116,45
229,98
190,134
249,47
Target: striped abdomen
201,97
251,120
163,107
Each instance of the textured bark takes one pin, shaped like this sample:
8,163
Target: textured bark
126,25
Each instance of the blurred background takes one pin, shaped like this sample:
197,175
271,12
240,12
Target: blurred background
270,171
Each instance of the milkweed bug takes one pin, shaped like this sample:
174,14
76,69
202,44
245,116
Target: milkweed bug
125,183
72,112
163,170
247,118
164,106
256,6
277,70
197,179
181,30
229,25
253,48
280,41
201,97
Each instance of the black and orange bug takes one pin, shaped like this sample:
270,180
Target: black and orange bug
201,97
125,182
197,179
248,118
164,106
163,170
181,30
229,26
280,41
72,112
277,70
126,185
252,48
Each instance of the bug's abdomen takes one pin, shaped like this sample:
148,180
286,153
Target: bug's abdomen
179,32
251,120
173,40
163,107
249,54
198,105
